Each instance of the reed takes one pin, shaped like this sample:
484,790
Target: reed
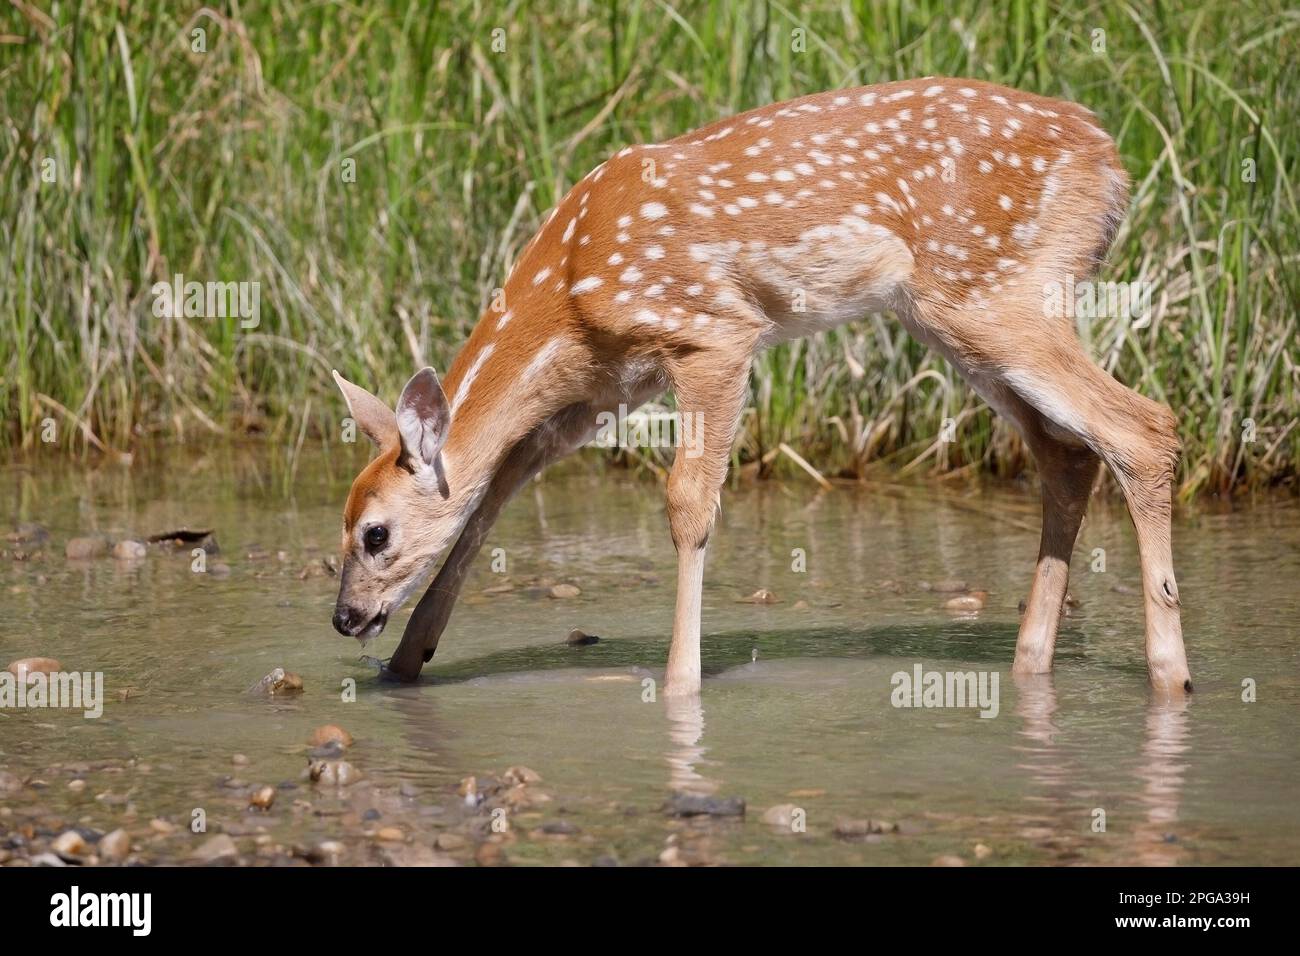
234,163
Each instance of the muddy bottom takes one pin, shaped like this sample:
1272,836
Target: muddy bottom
575,755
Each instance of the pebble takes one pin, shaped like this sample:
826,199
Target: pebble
521,776
558,828
850,829
781,815
262,798
338,773
330,734
76,786
9,783
70,846
450,841
239,760
565,591
130,550
390,834
83,549
947,859
696,805
761,596
974,601
164,827
328,852
115,846
33,665
983,852
279,681
578,638
216,849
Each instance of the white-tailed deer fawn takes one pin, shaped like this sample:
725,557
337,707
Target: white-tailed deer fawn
952,203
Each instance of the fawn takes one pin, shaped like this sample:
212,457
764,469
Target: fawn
951,203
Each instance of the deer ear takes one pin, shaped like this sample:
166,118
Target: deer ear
423,418
374,418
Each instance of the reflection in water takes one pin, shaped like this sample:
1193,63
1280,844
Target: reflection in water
685,731
1058,821
1161,772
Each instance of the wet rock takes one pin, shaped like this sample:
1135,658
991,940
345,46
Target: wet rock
262,798
947,859
781,815
33,665
849,829
86,549
29,533
965,603
239,760
565,591
278,682
329,751
450,841
761,596
327,852
162,827
187,539
77,785
217,849
336,773
949,586
330,734
800,605
696,805
115,846
390,834
130,550
577,638
521,776
46,859
71,846
218,569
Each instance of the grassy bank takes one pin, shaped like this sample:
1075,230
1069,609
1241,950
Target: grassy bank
233,163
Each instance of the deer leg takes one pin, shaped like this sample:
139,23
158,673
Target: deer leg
1137,438
710,389
1066,473
424,629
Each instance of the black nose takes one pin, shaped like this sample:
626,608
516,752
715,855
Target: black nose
346,620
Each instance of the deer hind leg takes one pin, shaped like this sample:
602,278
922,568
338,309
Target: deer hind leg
1137,438
710,389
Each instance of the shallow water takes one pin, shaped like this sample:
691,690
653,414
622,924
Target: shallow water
796,707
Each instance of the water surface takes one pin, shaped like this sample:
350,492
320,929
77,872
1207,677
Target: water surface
796,707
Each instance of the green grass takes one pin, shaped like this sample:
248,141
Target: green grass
226,165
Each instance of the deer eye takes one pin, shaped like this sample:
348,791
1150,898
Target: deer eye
376,538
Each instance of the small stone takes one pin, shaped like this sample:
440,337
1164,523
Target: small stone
76,786
851,829
262,798
558,828
328,852
390,834
800,605
9,783
983,852
330,734
158,825
115,846
450,841
947,859
781,815
278,681
130,550
338,773
950,586
489,854
33,665
521,776
216,849
761,596
695,805
239,760
70,846
565,591
577,638
974,601
84,549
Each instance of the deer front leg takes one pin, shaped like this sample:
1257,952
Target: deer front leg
710,391
562,435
